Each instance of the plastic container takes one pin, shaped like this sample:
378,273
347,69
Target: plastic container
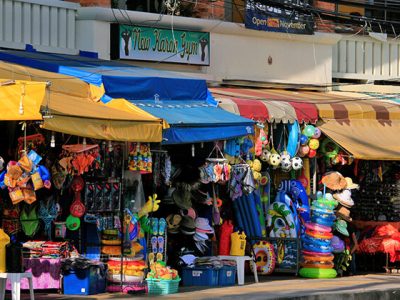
162,287
200,276
227,276
238,243
88,281
4,240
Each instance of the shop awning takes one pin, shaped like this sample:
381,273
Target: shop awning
197,121
366,139
21,100
268,104
82,117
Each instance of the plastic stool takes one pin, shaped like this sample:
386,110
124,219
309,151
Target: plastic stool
15,279
240,266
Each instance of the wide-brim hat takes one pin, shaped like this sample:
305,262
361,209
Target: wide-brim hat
334,181
337,244
204,224
341,226
188,222
182,199
350,184
344,198
344,213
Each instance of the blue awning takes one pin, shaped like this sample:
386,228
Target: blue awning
196,121
184,102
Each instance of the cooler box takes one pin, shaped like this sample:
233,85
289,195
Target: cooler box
200,276
88,281
227,276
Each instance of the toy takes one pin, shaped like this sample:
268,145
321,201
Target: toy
151,205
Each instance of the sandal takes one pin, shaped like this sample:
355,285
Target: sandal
161,226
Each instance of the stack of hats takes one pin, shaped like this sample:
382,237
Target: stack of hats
203,230
317,257
187,225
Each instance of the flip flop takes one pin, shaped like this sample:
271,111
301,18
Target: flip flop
154,226
154,244
160,253
161,226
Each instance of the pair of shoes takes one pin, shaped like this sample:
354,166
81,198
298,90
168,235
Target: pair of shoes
158,226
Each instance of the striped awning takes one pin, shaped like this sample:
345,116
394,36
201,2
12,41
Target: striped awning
266,104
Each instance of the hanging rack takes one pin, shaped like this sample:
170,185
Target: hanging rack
218,152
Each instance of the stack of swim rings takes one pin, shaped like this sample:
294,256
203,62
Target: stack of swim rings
317,257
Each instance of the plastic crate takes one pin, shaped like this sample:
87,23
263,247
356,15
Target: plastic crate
84,282
227,276
200,276
162,287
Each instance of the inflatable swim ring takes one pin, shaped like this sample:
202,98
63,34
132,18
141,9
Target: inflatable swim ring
315,248
326,217
319,265
322,222
312,253
316,242
321,258
319,234
265,257
280,221
317,273
317,227
323,210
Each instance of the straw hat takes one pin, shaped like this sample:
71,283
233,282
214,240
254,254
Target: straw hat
334,181
344,198
182,198
350,184
344,213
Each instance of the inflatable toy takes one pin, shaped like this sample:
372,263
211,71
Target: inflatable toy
317,133
319,265
265,257
317,227
321,221
299,195
313,144
309,130
293,139
312,253
319,234
315,248
316,258
329,148
282,197
280,220
303,140
312,153
316,242
317,273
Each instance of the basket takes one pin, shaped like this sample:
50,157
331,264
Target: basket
162,287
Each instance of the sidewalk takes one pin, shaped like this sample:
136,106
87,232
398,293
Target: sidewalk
365,287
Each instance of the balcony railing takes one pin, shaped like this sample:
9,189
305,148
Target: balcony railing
48,25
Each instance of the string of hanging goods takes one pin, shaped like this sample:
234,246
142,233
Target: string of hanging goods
216,168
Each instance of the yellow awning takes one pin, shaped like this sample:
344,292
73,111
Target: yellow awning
21,100
366,138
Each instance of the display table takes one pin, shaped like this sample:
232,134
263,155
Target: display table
46,273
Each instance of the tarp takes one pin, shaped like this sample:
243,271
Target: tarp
21,100
119,80
365,138
196,121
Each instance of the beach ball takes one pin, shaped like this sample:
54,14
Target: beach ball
313,144
312,153
309,130
304,150
275,159
303,139
317,133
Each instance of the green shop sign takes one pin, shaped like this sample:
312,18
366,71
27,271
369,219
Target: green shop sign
164,45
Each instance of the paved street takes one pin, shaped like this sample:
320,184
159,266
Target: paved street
357,287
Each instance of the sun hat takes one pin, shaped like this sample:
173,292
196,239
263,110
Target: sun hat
341,226
73,223
182,197
337,244
350,184
203,224
344,198
334,181
188,223
344,213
